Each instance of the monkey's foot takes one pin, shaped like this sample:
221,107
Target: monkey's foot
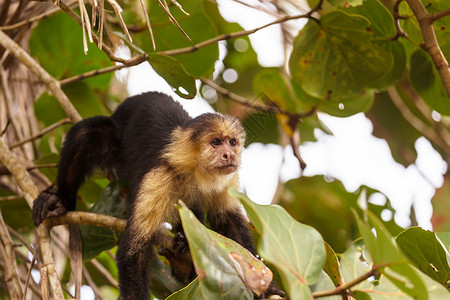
180,243
47,204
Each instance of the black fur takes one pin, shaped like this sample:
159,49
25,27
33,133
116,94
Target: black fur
129,143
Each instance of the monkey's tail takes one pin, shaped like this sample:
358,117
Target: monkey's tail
93,142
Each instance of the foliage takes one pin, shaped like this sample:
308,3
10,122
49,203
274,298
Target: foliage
359,56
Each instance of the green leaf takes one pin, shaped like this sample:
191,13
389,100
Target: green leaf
162,282
342,108
192,292
389,124
316,202
348,107
272,84
324,283
345,2
381,21
353,264
61,52
174,73
97,239
295,249
444,237
226,269
426,252
261,127
337,58
332,265
427,83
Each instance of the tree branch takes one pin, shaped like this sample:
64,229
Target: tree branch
51,83
87,218
17,169
343,289
431,45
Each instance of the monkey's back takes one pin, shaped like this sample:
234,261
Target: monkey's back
144,124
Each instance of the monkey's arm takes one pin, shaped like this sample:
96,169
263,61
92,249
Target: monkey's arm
89,143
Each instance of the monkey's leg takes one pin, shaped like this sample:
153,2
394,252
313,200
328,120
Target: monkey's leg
89,143
233,225
133,260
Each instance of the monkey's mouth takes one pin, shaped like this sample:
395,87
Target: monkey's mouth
227,168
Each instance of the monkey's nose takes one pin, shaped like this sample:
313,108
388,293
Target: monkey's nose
228,157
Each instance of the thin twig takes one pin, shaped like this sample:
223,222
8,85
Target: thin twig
51,83
172,19
431,44
103,271
241,100
11,270
136,60
415,122
108,51
143,57
11,198
35,18
343,289
440,15
118,11
43,132
233,35
149,25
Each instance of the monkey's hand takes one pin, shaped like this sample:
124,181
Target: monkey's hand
47,204
272,290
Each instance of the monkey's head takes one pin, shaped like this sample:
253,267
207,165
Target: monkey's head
208,145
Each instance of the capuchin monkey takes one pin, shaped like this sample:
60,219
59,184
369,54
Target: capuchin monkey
165,155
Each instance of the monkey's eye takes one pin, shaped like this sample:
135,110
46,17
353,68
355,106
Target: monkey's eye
216,142
233,142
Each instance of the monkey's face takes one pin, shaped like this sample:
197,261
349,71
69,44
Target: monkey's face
220,143
225,156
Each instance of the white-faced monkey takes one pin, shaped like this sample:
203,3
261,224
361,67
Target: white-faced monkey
165,155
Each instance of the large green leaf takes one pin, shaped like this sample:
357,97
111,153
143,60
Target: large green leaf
57,44
226,269
167,36
426,252
337,58
295,249
426,81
